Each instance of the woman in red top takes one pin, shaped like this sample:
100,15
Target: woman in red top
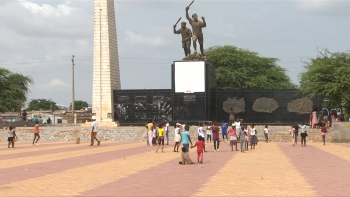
216,136
233,137
36,133
200,149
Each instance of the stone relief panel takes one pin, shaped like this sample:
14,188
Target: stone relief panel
300,106
265,105
234,105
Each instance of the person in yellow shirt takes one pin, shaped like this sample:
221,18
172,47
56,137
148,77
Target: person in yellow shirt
149,127
160,137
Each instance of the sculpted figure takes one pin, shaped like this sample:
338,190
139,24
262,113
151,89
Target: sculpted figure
197,26
186,37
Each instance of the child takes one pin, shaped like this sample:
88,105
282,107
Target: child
253,138
200,147
266,133
155,130
11,137
36,133
216,137
177,138
292,132
209,132
241,135
247,137
160,137
233,137
324,132
224,127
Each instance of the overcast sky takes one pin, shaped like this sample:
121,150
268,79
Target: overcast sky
39,37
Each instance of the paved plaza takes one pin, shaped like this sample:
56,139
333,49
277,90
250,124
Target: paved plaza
134,169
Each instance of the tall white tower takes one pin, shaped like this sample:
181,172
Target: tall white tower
106,76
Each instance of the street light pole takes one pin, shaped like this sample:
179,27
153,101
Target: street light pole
73,118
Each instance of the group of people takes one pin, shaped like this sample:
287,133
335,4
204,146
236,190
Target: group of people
12,137
303,133
35,119
209,132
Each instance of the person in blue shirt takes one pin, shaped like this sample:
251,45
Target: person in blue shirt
34,119
185,138
224,127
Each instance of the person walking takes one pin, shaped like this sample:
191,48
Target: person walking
292,133
94,131
36,133
185,138
160,137
167,129
266,133
201,133
233,137
296,133
209,132
200,149
216,136
303,133
224,127
253,137
241,135
149,127
324,132
11,136
177,139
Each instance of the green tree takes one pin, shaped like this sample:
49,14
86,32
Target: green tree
79,105
14,89
241,68
327,76
41,104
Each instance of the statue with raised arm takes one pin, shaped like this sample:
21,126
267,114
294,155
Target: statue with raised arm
186,37
197,26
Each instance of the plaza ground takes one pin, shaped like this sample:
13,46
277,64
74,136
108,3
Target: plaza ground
134,169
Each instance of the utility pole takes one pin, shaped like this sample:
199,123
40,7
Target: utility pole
73,118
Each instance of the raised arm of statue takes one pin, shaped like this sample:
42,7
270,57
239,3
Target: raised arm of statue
204,23
174,27
190,20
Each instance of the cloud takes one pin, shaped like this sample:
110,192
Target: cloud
57,83
47,10
140,39
326,7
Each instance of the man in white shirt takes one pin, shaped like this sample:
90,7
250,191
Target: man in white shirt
94,131
167,131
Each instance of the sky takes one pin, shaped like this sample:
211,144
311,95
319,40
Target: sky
39,37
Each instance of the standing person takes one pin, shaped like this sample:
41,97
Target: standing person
186,37
303,133
197,26
241,135
34,119
36,133
233,137
292,133
48,121
11,136
232,118
149,127
155,134
253,137
201,133
224,127
177,139
216,135
200,147
24,116
314,118
185,138
296,133
160,137
209,132
167,129
324,132
94,131
266,133
40,120
247,137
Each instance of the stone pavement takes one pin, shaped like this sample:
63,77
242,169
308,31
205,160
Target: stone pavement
133,169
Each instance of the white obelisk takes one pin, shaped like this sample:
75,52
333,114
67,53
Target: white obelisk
106,76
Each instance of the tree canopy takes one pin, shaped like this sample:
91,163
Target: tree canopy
14,89
327,76
79,105
241,68
41,104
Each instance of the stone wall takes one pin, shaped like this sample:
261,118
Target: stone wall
70,133
341,132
